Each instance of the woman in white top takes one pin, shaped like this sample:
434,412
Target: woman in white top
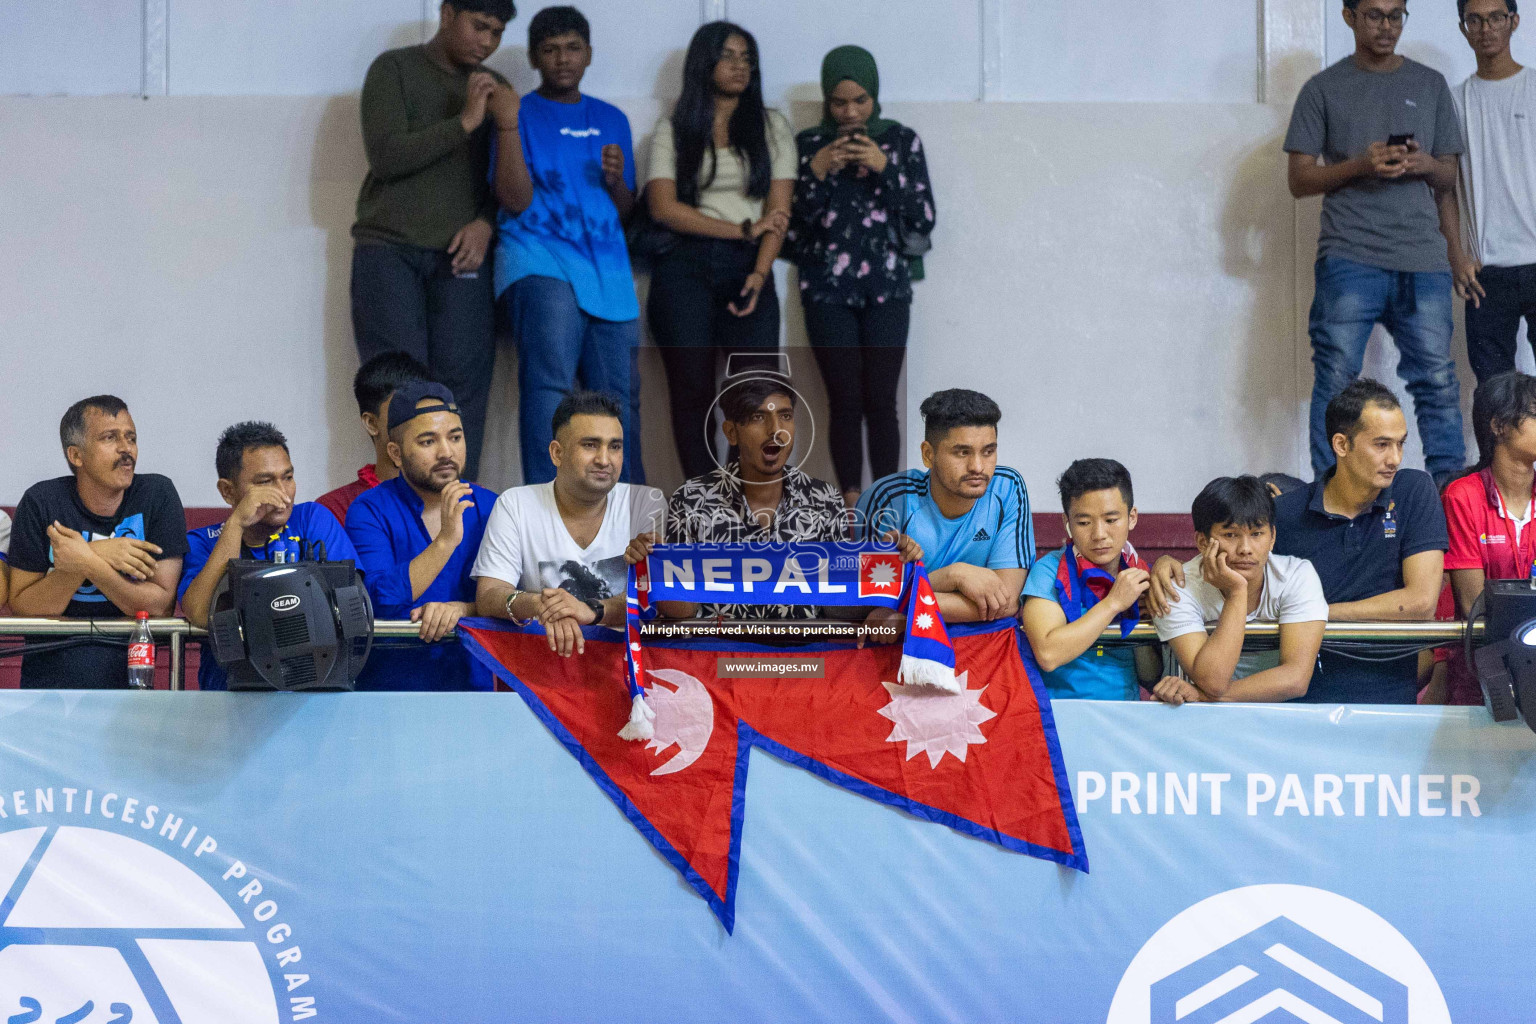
722,175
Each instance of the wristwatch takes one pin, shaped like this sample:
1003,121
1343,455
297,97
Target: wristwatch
746,229
597,609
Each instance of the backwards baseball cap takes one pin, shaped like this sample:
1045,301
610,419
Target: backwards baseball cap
402,407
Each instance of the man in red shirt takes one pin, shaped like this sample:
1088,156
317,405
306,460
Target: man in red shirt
373,387
1489,511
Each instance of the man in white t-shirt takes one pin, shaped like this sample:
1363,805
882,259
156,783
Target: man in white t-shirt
1235,580
5,564
1497,107
555,552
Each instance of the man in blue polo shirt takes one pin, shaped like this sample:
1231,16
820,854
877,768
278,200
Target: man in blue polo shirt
256,480
417,536
1376,535
565,177
969,515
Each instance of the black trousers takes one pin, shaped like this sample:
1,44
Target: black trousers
1492,326
407,299
690,289
860,353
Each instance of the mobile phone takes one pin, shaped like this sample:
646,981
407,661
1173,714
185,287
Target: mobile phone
850,129
1399,140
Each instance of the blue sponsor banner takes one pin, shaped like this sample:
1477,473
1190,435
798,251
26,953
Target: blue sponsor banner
432,857
818,574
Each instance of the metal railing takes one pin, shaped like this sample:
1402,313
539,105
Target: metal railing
178,631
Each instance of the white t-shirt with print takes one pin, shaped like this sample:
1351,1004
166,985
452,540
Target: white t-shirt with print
527,544
1292,593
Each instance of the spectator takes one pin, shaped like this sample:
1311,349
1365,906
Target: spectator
425,211
373,386
863,195
721,177
101,543
1374,532
256,481
5,565
1385,128
1068,604
417,536
554,552
1488,512
562,266
1498,176
1236,580
969,515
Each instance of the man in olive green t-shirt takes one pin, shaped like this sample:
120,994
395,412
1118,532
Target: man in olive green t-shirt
420,283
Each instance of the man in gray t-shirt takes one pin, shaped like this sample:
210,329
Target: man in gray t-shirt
1387,132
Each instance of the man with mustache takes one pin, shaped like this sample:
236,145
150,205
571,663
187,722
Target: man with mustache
417,538
256,481
970,515
420,279
101,543
554,552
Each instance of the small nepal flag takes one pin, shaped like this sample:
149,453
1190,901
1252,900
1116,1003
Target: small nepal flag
927,657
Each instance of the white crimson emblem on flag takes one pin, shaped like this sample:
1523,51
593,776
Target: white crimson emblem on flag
1273,952
685,717
879,574
936,723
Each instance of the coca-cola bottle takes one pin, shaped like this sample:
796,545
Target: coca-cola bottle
141,655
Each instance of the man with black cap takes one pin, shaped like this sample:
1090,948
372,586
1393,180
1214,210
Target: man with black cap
417,537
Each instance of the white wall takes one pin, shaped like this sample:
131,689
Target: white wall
1116,206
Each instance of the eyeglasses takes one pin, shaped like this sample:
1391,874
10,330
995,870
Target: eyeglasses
1393,18
1476,22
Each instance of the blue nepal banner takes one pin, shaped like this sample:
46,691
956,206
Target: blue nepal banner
817,574
256,859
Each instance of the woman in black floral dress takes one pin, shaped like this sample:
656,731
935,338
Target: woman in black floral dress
862,203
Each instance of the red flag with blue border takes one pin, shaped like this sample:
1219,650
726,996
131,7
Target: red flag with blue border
984,761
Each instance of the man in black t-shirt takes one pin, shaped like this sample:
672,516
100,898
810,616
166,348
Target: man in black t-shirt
101,543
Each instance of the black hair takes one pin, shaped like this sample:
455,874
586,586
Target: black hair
1086,475
1344,412
1461,8
502,10
584,403
380,376
1235,500
242,438
693,119
738,401
1282,482
72,426
557,21
943,411
1499,404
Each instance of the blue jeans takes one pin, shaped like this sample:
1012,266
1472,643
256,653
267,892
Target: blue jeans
557,346
1351,299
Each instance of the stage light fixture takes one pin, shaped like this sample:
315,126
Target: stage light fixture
1506,663
291,626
